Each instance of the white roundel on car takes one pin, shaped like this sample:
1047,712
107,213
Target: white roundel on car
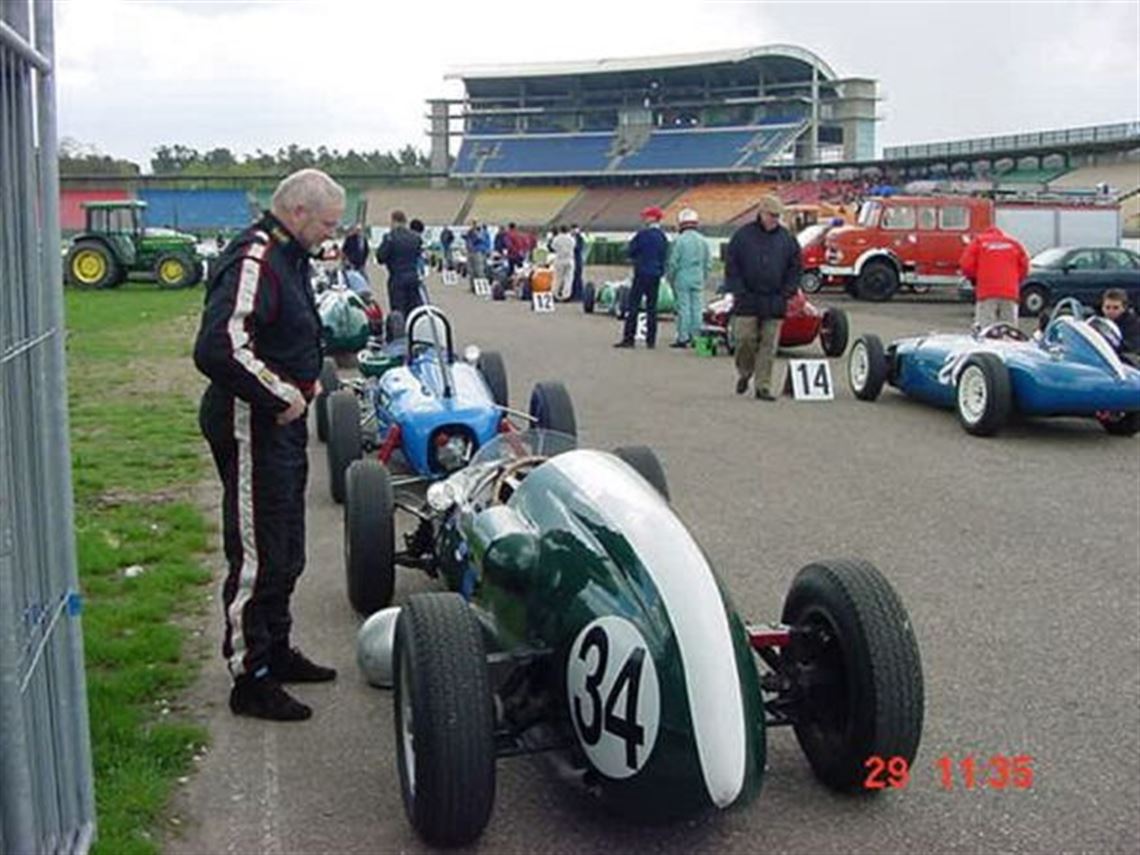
688,589
614,696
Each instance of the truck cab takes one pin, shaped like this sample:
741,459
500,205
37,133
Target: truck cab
903,240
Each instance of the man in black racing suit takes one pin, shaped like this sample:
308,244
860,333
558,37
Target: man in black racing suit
259,343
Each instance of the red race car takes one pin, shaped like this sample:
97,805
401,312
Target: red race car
803,323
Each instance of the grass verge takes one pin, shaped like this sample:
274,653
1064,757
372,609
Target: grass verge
136,456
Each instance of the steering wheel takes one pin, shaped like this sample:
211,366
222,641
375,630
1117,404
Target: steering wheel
1003,330
512,476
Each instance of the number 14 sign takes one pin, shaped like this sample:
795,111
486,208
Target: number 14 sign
810,380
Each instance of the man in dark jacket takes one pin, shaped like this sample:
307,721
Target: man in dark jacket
446,239
579,261
648,251
260,345
762,269
400,252
355,248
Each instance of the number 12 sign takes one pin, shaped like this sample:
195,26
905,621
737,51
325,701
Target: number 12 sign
811,380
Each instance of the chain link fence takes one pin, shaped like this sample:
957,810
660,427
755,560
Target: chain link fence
46,795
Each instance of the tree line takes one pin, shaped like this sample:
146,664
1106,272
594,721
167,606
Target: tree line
75,158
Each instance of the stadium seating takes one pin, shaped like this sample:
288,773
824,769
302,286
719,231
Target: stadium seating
622,152
435,207
196,209
697,150
518,155
527,206
718,203
1021,178
1121,178
585,208
623,205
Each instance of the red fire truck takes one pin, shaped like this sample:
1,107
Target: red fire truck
917,240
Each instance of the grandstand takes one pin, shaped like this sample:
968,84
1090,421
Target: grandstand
734,112
531,206
718,202
436,207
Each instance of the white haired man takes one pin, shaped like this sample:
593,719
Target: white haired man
259,343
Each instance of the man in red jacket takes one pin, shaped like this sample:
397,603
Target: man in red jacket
996,263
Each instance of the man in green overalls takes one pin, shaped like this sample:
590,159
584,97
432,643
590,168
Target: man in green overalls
688,268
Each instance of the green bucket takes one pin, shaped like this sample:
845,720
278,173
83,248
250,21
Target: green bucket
704,345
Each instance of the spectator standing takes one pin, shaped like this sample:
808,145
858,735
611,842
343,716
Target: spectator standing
563,247
355,248
647,250
446,239
762,269
417,227
259,343
401,252
579,261
689,265
499,244
515,244
478,244
996,263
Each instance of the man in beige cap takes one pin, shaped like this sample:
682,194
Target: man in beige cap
762,269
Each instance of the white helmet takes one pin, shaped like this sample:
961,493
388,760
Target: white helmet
687,217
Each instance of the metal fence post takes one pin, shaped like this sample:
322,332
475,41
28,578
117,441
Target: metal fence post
46,791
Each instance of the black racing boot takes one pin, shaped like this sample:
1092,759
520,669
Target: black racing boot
290,665
263,697
741,385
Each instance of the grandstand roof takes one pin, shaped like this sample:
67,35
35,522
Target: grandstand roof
635,64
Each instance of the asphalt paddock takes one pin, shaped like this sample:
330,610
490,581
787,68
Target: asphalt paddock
1018,558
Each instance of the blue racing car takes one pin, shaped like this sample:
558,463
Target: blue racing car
1069,369
437,410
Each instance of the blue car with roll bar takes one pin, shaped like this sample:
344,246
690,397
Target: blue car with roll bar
417,397
990,375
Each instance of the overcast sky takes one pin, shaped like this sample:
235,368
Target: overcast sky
136,74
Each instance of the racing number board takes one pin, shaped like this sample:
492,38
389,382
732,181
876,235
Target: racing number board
810,380
542,301
615,699
450,277
482,288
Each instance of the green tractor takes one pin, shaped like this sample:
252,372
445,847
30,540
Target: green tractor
116,243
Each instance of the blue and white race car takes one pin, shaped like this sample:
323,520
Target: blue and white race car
1069,369
437,410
